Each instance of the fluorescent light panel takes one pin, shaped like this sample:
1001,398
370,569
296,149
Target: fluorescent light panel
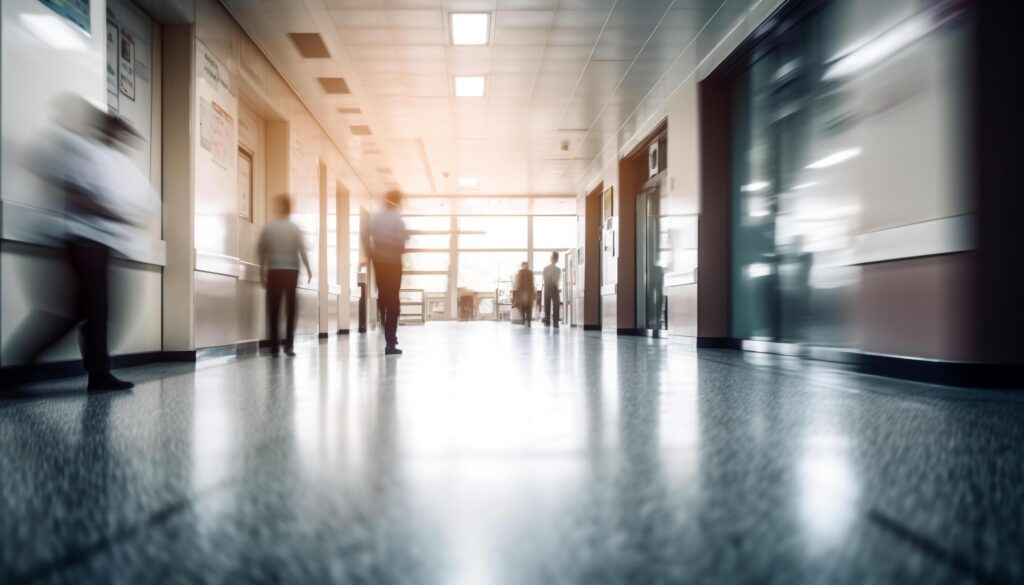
469,86
471,28
467,182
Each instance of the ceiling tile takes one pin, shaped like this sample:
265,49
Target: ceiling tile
360,18
592,19
470,5
367,36
416,19
427,4
373,53
348,4
512,37
573,37
523,18
422,37
526,4
420,53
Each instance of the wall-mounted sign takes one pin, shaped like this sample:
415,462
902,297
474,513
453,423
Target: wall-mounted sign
126,66
608,203
244,185
76,11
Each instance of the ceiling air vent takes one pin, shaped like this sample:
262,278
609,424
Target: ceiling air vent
310,45
360,130
349,111
334,85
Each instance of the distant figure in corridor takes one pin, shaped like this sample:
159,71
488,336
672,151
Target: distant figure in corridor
105,200
552,280
387,237
281,246
524,293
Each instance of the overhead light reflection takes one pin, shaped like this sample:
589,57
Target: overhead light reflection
878,49
755,186
835,158
54,32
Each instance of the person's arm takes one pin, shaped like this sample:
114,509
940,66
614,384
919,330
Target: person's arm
302,254
261,255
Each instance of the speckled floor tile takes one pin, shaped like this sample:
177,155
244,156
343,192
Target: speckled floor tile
492,454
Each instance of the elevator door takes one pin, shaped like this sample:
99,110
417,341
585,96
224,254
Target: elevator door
651,310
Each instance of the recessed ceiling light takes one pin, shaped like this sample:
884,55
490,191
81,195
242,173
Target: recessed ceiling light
467,182
471,28
469,86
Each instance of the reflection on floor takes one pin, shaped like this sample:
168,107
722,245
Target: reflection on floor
489,453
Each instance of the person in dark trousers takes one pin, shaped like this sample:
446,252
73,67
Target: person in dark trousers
100,196
524,293
387,237
552,298
281,246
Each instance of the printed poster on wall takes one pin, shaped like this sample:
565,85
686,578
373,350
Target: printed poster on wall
216,132
113,32
215,136
126,66
76,11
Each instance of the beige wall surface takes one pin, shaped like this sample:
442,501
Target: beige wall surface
291,155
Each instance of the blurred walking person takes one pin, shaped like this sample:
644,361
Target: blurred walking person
552,296
524,293
386,244
280,249
105,200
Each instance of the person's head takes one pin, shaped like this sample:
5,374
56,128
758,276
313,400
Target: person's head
77,114
393,199
554,257
283,205
524,266
118,132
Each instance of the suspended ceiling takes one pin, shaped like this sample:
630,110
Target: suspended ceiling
562,77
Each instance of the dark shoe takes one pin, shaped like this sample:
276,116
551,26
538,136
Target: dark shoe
392,351
289,353
107,381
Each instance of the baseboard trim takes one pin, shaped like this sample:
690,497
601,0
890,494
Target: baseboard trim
342,331
27,374
323,335
931,371
591,327
631,332
718,343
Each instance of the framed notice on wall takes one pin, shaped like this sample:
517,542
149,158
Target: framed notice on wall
244,185
607,203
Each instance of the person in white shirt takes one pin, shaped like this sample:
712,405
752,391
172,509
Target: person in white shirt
552,298
386,244
105,200
280,248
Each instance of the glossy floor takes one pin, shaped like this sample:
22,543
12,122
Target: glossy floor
492,454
